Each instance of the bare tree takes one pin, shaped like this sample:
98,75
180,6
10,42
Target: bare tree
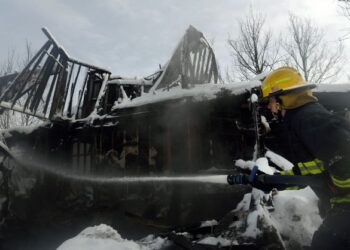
345,6
308,51
253,52
11,64
8,65
345,11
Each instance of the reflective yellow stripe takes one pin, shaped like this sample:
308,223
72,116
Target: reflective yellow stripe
311,167
302,169
337,200
341,183
287,172
282,80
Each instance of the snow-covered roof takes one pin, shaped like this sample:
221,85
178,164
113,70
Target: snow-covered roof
333,87
198,92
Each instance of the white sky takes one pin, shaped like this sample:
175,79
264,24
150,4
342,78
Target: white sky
132,37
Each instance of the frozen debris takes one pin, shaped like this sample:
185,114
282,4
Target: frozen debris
289,225
209,223
153,243
244,205
252,230
296,215
280,161
104,237
22,129
217,241
244,164
252,223
262,164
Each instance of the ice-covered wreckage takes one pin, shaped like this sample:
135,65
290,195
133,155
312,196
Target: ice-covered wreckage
180,120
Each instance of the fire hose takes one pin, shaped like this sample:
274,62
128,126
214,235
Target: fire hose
271,180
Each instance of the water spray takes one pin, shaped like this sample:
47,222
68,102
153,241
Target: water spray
213,179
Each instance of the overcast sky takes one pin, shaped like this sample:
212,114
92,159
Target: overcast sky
132,37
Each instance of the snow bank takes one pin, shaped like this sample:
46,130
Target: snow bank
296,215
104,237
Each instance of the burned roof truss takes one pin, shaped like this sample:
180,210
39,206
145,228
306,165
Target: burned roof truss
56,86
53,84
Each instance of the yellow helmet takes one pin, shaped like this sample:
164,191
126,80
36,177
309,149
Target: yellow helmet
282,81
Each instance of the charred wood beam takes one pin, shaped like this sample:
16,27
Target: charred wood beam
17,85
57,100
68,81
81,96
43,80
69,111
53,83
201,73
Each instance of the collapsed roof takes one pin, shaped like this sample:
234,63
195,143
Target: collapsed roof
56,86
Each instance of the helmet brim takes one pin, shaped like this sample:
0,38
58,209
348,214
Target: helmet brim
286,91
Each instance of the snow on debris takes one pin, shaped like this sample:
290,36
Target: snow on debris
293,217
209,223
296,215
104,237
262,164
279,160
217,241
252,230
292,214
199,92
244,203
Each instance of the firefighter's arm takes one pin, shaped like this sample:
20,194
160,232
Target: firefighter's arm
329,140
260,181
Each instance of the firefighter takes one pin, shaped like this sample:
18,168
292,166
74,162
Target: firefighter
319,142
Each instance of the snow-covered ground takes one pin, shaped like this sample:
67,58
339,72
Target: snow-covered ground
103,237
293,214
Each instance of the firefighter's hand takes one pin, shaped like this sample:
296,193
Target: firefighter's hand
257,181
253,179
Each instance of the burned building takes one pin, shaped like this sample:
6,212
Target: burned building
181,120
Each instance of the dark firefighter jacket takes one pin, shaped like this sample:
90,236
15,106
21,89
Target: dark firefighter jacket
320,143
